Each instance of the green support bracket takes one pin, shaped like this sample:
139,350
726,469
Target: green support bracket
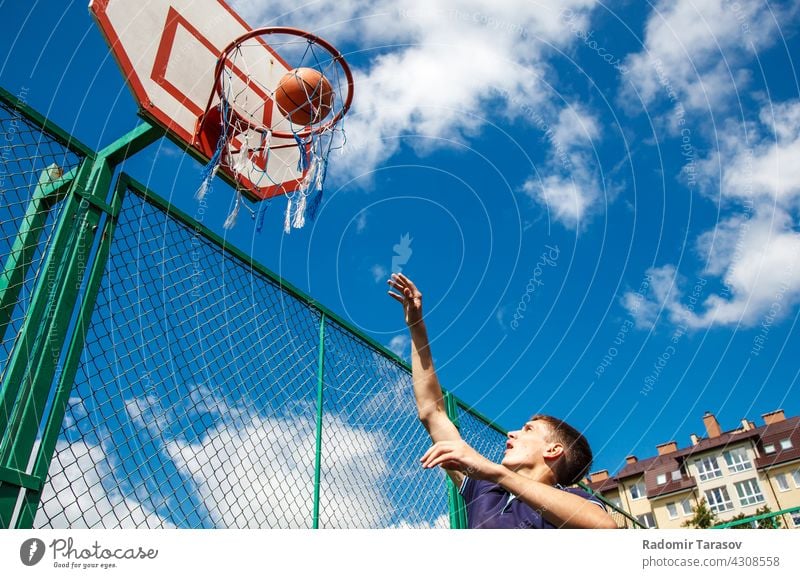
20,479
320,391
35,363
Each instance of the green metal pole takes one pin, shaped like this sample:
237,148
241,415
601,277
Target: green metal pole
320,387
458,512
28,345
17,385
50,184
55,419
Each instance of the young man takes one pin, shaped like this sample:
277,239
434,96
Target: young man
525,489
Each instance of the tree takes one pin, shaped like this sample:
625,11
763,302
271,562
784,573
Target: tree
703,517
764,523
773,522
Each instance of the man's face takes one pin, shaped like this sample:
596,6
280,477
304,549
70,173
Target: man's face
528,446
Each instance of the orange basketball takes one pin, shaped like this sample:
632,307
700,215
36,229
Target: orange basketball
304,96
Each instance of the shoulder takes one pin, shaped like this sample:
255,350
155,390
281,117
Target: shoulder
471,488
584,494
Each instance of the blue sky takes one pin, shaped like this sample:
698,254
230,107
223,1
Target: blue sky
602,200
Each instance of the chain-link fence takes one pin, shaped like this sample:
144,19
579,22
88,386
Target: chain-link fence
196,403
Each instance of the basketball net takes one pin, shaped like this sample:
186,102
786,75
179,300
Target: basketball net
257,145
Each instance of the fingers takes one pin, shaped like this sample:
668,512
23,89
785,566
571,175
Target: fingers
438,453
407,282
449,461
404,286
428,453
408,292
395,296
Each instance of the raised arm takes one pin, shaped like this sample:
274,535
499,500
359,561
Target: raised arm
561,508
427,391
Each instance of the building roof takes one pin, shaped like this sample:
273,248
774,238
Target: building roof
671,487
724,439
774,434
604,485
637,468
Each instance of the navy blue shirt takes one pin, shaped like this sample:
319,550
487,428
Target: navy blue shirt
491,506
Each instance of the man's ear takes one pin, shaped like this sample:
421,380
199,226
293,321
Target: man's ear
554,450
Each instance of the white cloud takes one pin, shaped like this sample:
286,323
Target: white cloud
571,190
399,345
434,67
251,471
379,273
260,474
694,48
758,261
754,251
361,222
75,496
759,164
662,294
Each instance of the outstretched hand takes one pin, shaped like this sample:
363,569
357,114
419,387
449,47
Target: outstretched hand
409,296
459,456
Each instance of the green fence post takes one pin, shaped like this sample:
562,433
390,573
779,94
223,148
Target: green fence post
320,389
458,512
55,418
37,336
34,364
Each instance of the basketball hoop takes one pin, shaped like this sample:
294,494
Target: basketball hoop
273,117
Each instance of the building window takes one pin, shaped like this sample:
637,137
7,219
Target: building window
672,510
708,468
796,478
646,520
769,449
749,492
783,482
737,460
661,479
616,502
676,475
686,506
638,491
786,444
719,500
796,519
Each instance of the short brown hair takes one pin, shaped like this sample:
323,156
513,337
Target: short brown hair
576,461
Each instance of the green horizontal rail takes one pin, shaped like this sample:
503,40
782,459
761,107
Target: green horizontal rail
469,409
744,521
52,129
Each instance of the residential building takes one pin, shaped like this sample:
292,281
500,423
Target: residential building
737,472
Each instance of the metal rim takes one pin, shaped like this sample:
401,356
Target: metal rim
267,30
